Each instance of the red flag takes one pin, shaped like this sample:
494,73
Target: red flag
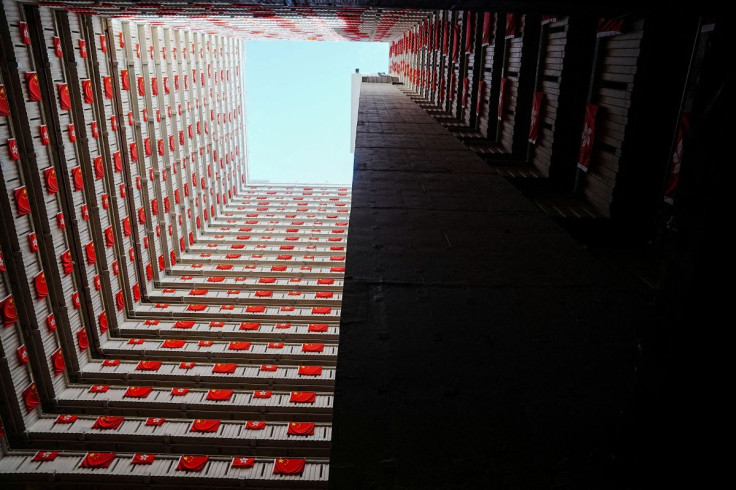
91,254
141,87
148,366
97,460
173,344
138,391
109,237
534,125
586,141
155,421
283,466
103,43
143,458
192,463
219,394
66,419
683,132
25,36
44,133
82,48
301,429
487,21
238,345
57,47
318,327
4,106
321,310
8,310
99,389
275,345
30,397
203,425
21,201
262,394
39,283
60,220
197,307
224,368
133,152
303,397
610,27
111,362
77,178
548,19
13,152
52,186
313,347
124,80
120,300
501,97
57,360
34,89
310,370
99,168
82,339
108,422
239,462
65,101
45,456
87,91
254,425
22,353
126,226
512,25
179,391
107,84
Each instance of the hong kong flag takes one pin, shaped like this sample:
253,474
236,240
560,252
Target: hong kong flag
57,47
148,366
269,368
30,397
283,466
22,353
303,397
179,391
39,283
138,391
4,106
34,88
187,365
255,425
97,460
588,137
173,344
224,368
310,370
108,422
203,425
239,462
99,389
41,456
21,201
66,419
57,361
143,458
111,362
13,152
107,84
25,36
301,429
219,395
155,421
77,178
9,311
49,175
192,463
65,101
262,394
87,91
82,339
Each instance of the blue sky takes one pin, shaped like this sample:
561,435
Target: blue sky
298,108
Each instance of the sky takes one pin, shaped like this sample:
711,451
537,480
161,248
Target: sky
298,108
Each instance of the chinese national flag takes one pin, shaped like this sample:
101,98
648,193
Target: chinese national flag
237,345
303,397
90,251
224,368
82,339
120,300
65,101
321,310
255,309
126,226
117,161
138,391
124,80
255,425
66,262
21,201
97,460
173,344
192,463
318,327
250,326
313,347
8,311
77,178
30,397
143,458
204,425
133,152
148,366
4,106
104,325
243,462
106,422
66,419
45,456
34,89
52,186
301,429
39,283
283,466
184,324
107,83
196,307
141,87
99,168
87,91
219,394
310,370
57,360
